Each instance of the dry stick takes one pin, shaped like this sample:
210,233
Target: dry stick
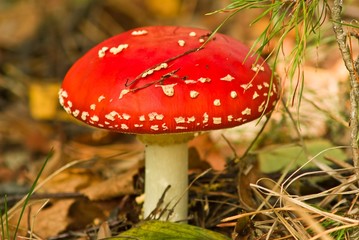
341,37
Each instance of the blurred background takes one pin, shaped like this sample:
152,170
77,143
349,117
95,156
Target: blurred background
41,39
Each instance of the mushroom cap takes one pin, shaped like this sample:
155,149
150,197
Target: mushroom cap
162,79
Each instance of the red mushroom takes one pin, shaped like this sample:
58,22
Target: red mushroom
164,84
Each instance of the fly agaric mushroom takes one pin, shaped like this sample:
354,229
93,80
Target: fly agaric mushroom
163,83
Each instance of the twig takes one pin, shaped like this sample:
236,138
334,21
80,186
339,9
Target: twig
352,67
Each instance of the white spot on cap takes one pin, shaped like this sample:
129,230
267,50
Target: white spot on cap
201,40
148,72
124,126
164,126
217,102
191,119
152,70
93,106
138,125
123,92
261,107
247,86
180,120
255,95
257,68
61,99
142,118
69,104
204,80
181,43
111,116
100,98
168,90
266,94
274,88
84,115
229,118
76,113
180,127
192,34
189,81
118,49
233,94
161,66
154,115
68,110
217,120
228,78
126,116
154,127
259,86
205,118
102,51
95,118
193,94
246,111
63,93
265,84
139,32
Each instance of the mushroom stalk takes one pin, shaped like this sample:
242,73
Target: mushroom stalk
166,164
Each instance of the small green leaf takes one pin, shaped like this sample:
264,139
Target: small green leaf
159,230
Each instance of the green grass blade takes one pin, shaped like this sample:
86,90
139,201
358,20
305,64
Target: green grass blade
49,155
6,227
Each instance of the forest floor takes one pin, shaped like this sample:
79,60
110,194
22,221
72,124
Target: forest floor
303,151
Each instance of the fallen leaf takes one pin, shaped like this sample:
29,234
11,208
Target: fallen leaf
118,185
164,9
18,23
43,100
44,221
71,180
249,172
104,231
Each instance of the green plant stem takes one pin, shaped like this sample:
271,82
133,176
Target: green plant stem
352,67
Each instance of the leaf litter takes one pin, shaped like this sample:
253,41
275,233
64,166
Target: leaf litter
241,198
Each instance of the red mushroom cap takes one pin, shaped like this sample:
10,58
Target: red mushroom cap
160,80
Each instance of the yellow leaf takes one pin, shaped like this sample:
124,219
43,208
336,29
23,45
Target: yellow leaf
43,100
164,9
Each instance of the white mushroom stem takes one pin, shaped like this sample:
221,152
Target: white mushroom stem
166,164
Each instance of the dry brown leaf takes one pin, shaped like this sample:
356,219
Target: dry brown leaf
18,23
104,231
118,185
195,162
43,221
58,216
208,151
71,180
53,220
249,173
